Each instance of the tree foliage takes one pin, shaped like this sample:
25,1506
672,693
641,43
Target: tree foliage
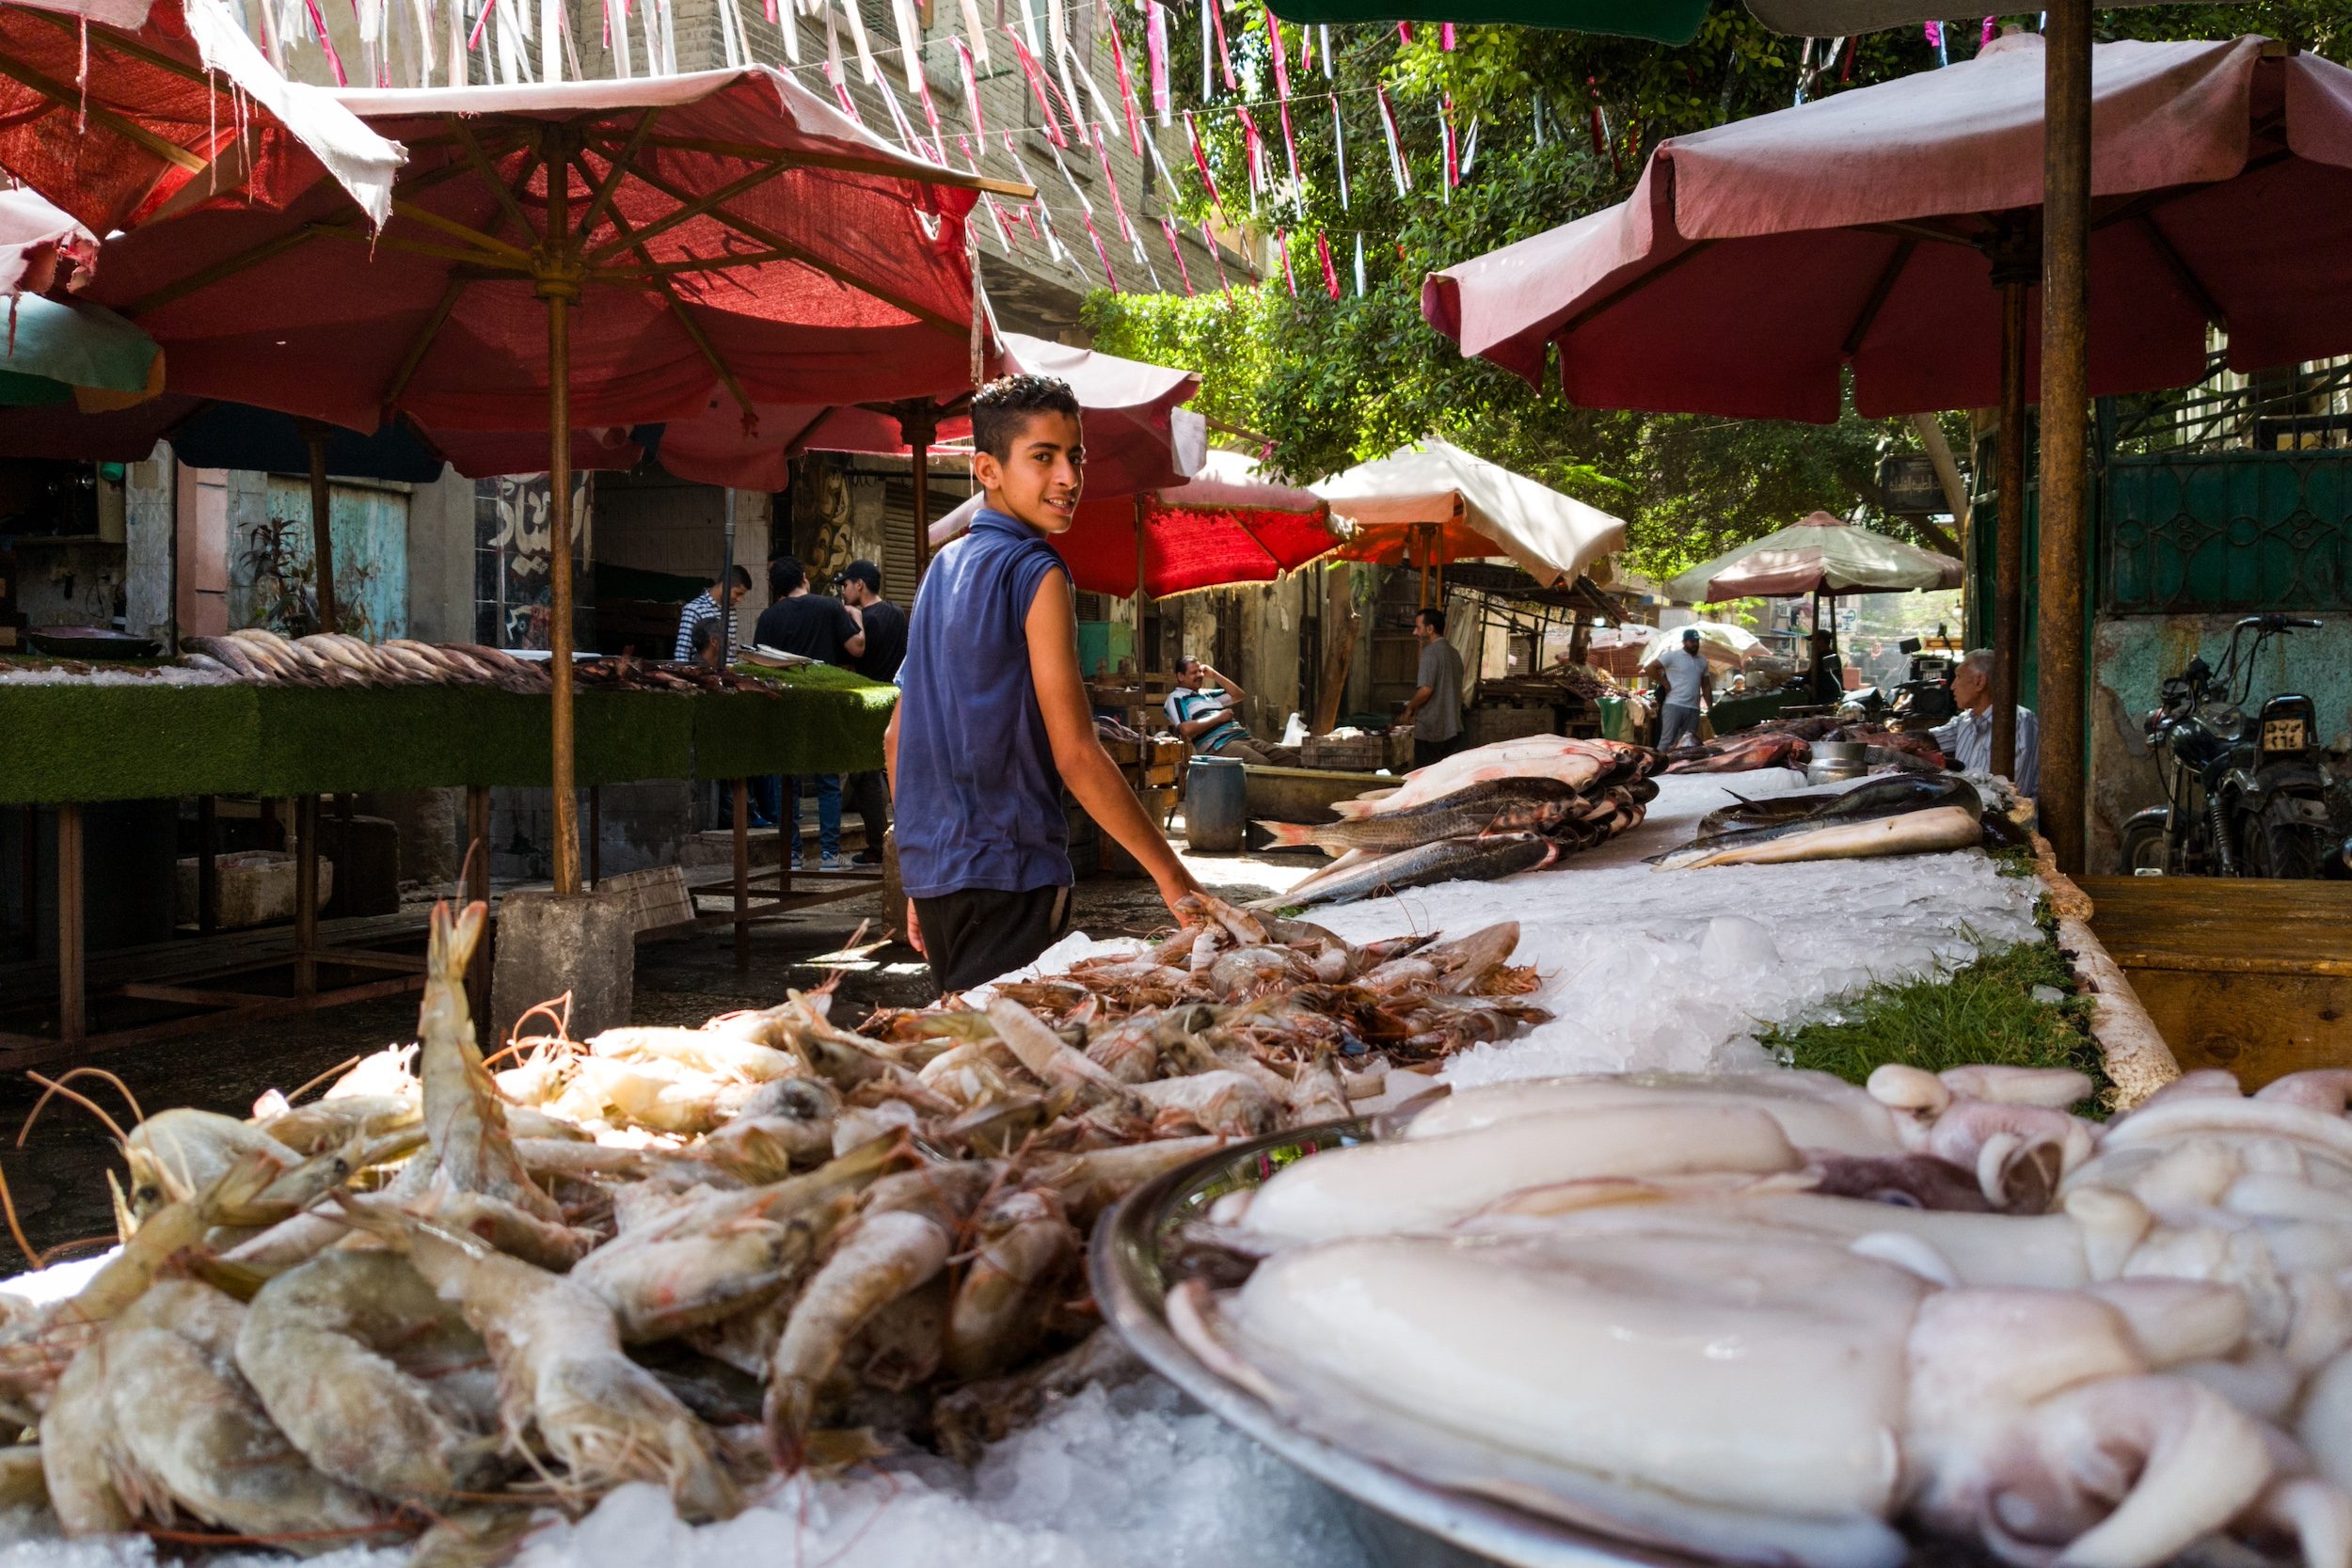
1562,124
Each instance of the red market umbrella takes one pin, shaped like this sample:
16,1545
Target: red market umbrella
1911,232
171,107
724,229
1135,436
1225,525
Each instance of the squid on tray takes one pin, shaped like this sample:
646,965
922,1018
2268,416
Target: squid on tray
1774,1318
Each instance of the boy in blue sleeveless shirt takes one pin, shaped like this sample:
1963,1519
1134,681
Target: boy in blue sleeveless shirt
993,717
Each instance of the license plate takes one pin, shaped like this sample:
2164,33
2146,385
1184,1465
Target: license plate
2283,735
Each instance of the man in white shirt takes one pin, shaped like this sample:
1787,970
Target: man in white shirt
1967,740
1684,674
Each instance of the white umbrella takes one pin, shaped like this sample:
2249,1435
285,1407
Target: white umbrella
1722,643
1471,508
1820,554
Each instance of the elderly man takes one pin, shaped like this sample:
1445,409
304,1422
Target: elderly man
1208,724
1685,677
1968,739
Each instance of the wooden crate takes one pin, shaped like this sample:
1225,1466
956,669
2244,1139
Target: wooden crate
2250,976
1361,753
1488,723
657,896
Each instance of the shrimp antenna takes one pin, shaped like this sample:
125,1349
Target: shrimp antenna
336,1071
8,1204
55,1086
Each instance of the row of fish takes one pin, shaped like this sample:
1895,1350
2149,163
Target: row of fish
453,1294
1776,1318
1902,813
1490,812
335,660
1788,743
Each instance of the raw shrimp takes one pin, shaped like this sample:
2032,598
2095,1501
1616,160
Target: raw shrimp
463,1112
364,1368
1027,1246
606,1419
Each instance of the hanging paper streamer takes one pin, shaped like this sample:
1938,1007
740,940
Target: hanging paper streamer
841,92
1403,32
910,41
1126,83
975,35
1118,205
1208,89
971,88
1469,148
1445,36
1359,265
1037,87
789,25
1004,231
1936,41
1041,216
1306,47
1282,244
1183,273
1108,277
1224,56
1224,284
1397,168
1200,161
1290,150
907,136
1339,149
1274,47
867,71
1155,58
1991,31
1253,150
930,114
1330,274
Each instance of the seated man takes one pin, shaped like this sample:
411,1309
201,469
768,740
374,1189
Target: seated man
1967,740
1208,724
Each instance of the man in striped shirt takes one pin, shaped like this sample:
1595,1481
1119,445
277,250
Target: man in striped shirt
703,608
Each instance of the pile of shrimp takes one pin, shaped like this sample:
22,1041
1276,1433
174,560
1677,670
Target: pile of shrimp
441,1301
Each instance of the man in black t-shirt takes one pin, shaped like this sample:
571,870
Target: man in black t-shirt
817,627
885,627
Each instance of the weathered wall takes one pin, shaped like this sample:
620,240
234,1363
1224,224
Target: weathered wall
642,824
148,517
2131,656
659,524
441,547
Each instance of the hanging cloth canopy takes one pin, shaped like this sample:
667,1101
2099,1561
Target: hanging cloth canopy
1434,497
1720,642
1225,526
1870,230
172,108
1135,436
1820,554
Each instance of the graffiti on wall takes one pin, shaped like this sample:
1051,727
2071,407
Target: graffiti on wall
513,556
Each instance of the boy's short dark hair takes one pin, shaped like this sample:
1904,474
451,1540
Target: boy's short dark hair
1000,408
861,571
1435,619
740,575
785,575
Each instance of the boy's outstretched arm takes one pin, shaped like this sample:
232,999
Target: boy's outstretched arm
1087,769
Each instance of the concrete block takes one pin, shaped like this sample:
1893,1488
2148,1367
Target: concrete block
584,943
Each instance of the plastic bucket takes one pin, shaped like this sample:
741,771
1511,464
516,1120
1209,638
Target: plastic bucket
1216,804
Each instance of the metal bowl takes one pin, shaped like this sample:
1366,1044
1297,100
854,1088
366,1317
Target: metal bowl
92,643
1401,1522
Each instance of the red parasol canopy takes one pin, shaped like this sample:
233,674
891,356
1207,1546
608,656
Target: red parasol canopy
1135,436
1757,260
1224,527
173,108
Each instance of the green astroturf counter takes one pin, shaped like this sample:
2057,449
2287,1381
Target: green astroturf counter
89,743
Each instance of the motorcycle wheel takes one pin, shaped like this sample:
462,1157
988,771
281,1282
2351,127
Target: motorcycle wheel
2143,850
2291,850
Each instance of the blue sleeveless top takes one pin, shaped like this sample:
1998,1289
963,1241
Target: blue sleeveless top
978,801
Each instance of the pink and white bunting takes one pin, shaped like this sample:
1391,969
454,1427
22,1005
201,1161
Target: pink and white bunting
1339,149
1155,58
1126,82
1168,227
1397,168
1330,274
971,88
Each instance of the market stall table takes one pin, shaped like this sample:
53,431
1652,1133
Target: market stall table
232,739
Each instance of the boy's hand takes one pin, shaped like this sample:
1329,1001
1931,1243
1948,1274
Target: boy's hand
1177,886
915,932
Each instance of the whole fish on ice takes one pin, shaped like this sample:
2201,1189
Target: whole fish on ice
1473,860
1904,813
1489,806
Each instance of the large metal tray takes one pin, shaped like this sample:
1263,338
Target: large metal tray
1402,1522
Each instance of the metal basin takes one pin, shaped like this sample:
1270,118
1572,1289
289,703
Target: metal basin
1402,1523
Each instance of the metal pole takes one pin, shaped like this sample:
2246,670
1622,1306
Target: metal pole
559,285
322,536
72,1019
2009,575
305,893
595,837
724,591
2065,459
744,871
207,863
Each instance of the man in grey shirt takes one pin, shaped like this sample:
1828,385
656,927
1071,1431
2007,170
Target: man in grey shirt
1684,674
1436,708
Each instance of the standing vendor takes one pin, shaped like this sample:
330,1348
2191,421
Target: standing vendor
992,717
1434,709
1684,675
705,609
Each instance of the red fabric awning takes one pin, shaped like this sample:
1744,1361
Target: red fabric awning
1757,261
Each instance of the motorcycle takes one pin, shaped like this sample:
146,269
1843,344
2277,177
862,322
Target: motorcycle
2246,796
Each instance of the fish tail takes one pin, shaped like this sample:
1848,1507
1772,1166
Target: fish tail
1289,835
1354,811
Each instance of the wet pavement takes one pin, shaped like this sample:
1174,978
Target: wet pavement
58,1179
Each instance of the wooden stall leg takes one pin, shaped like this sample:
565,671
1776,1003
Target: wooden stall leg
595,837
207,865
305,894
742,873
477,864
72,1017
28,875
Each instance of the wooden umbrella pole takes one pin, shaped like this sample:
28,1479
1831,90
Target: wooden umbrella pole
1140,596
557,283
2009,574
2065,458
321,538
918,423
